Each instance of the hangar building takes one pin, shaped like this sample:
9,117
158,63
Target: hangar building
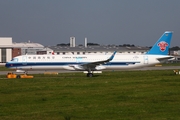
63,50
8,49
5,49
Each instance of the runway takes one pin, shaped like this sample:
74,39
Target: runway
65,71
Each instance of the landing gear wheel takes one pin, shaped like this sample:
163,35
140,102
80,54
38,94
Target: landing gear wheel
18,76
89,75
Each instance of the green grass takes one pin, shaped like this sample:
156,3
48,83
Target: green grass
123,95
3,68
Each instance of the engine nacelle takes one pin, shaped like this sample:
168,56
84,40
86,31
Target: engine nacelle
78,67
100,67
20,71
73,67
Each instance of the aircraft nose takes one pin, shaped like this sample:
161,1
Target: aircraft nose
7,65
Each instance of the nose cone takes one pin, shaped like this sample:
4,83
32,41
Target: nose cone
8,65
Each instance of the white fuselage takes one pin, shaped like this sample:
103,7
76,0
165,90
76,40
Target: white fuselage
54,62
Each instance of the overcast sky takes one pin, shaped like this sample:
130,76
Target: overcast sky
50,22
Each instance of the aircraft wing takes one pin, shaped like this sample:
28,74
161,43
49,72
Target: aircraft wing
92,65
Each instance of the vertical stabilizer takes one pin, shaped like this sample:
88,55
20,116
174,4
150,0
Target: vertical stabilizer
161,47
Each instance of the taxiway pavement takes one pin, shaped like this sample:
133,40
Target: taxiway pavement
65,71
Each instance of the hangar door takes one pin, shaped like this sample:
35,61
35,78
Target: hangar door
3,55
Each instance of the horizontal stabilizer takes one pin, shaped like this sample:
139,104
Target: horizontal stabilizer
165,58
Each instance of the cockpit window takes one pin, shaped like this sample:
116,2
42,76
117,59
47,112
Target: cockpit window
14,60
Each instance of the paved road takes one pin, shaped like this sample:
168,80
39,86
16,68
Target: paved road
65,71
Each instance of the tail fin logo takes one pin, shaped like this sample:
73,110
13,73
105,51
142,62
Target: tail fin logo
162,45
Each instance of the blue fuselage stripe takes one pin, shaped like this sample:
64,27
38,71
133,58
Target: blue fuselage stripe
18,64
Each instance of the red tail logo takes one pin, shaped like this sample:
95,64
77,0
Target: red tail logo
162,45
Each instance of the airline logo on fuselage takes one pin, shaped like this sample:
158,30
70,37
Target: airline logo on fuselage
162,45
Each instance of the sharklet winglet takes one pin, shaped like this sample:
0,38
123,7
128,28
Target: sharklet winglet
112,56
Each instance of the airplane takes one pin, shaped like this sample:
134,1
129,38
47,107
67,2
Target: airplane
93,63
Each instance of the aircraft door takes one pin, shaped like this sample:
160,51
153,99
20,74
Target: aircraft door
146,61
24,60
78,60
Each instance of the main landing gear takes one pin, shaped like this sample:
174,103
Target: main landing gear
89,74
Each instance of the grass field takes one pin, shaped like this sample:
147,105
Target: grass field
123,95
